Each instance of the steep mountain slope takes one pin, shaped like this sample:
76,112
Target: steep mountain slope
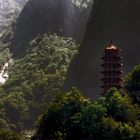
35,79
40,16
116,20
39,75
9,9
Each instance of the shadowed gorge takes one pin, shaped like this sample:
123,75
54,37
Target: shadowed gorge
110,20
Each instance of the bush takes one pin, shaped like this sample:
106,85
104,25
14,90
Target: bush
132,80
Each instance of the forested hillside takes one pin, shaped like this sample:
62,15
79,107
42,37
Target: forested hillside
40,56
35,79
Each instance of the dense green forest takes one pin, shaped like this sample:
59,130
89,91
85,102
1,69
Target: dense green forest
35,79
72,116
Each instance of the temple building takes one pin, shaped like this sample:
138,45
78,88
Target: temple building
111,74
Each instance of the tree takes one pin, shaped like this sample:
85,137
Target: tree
8,135
71,116
120,107
57,118
3,124
87,123
132,80
35,79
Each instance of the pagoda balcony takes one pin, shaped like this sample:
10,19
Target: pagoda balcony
118,80
110,74
116,71
111,64
112,50
112,77
112,69
108,58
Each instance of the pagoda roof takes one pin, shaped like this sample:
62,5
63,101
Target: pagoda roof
112,46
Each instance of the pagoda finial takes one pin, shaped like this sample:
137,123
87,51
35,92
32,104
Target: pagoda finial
111,42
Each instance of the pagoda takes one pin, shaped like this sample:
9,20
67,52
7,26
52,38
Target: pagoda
111,74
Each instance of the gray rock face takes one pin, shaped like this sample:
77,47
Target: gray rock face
82,3
116,20
48,16
9,9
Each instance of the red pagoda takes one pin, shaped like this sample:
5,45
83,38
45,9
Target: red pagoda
112,74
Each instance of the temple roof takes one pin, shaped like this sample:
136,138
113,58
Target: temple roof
112,46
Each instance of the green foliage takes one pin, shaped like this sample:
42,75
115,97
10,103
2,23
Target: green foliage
86,124
71,116
132,81
5,54
59,114
3,124
8,135
35,79
121,109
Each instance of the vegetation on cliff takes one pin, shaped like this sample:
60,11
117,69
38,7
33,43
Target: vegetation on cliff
132,80
35,79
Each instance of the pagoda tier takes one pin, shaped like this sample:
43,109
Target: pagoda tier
111,58
109,79
112,74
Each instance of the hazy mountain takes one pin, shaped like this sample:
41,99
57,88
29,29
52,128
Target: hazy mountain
116,20
43,16
9,9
